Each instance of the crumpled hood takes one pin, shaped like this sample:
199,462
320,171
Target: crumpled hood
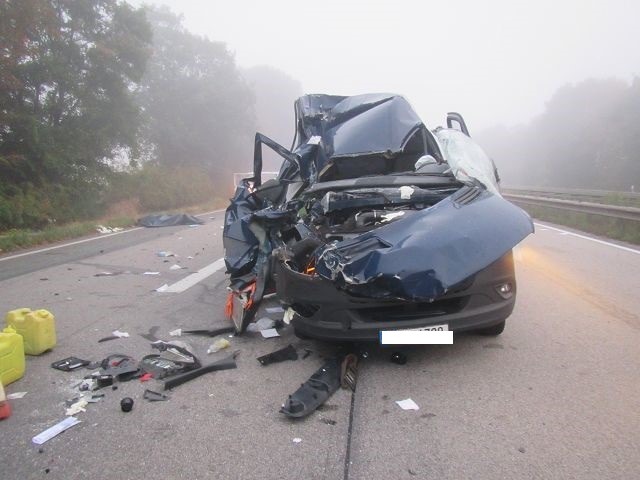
421,256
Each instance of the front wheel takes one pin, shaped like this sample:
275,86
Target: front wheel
494,330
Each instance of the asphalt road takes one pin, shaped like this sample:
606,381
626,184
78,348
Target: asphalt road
557,395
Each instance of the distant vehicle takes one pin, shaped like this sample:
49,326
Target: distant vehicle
374,223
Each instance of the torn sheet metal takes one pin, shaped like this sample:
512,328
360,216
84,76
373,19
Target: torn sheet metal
421,256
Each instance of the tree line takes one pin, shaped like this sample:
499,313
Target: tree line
588,136
101,102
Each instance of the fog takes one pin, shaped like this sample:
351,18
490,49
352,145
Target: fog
496,62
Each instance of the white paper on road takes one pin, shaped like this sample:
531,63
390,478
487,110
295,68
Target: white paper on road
407,404
119,334
269,333
58,428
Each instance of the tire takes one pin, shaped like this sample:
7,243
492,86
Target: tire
494,330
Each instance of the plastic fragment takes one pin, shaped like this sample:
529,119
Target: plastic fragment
69,364
175,266
5,406
314,392
119,334
165,254
286,353
155,396
297,440
58,428
218,345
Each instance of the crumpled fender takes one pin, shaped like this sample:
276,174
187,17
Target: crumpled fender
421,256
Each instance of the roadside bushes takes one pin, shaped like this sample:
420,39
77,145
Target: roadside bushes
151,188
156,188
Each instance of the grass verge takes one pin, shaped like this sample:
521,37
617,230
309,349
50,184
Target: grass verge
615,228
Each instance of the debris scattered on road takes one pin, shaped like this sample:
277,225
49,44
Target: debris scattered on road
314,392
175,266
349,372
297,440
165,220
77,407
101,229
218,345
407,404
104,380
210,333
105,274
286,353
126,404
16,395
151,273
57,429
288,315
163,253
70,364
224,364
398,358
176,333
262,324
328,421
155,396
269,333
163,288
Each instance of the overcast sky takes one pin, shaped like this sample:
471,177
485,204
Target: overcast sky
496,62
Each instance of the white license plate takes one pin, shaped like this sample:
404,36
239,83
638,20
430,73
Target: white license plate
431,328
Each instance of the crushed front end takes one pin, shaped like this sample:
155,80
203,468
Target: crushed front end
373,223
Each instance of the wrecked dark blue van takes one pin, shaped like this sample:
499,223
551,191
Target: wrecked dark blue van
373,223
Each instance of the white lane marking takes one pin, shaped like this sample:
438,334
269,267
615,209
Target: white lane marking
189,281
77,242
564,232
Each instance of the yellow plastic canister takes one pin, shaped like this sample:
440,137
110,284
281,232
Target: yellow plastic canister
11,356
38,329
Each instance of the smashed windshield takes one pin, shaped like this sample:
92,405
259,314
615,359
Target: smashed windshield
468,162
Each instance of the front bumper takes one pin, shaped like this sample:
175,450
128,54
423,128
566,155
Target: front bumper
324,312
